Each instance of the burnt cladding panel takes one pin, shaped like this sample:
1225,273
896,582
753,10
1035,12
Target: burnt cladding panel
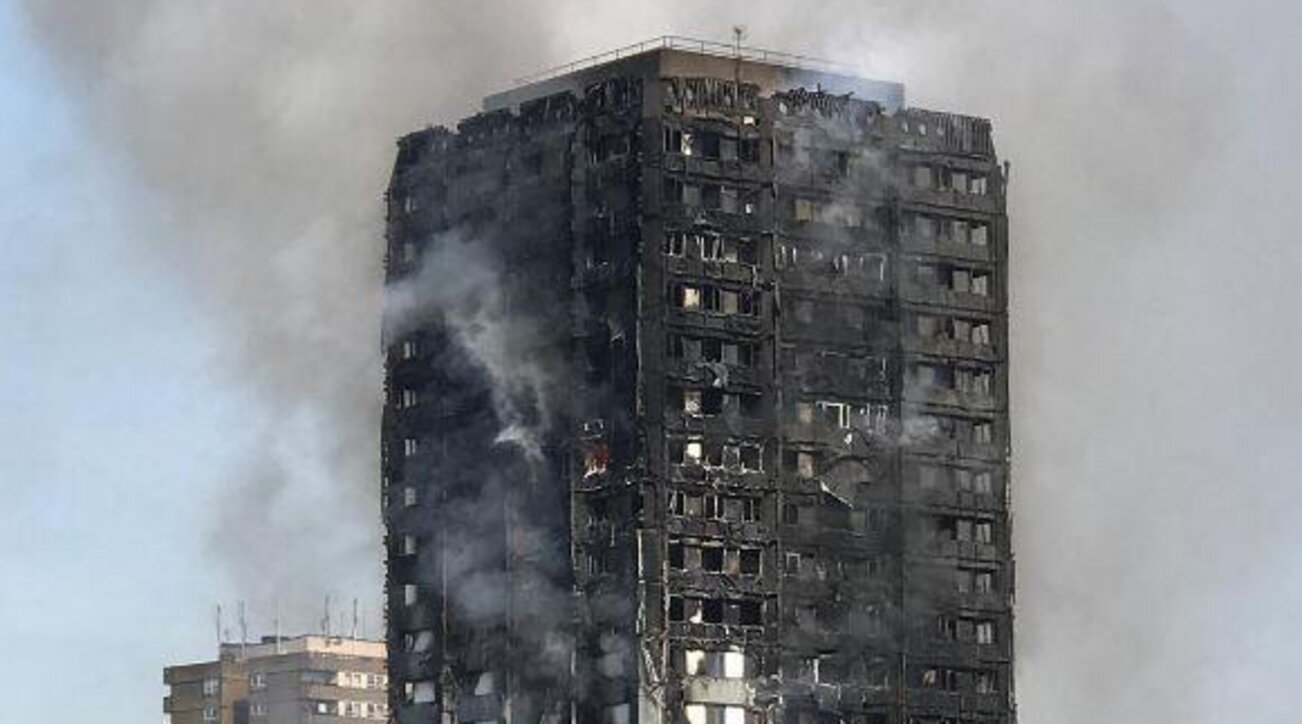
478,569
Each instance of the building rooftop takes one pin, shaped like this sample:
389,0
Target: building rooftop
675,55
315,644
691,45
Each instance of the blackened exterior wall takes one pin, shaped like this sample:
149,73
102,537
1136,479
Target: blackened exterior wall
773,466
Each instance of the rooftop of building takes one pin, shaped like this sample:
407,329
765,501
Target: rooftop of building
676,55
307,644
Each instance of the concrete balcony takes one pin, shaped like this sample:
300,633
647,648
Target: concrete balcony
969,202
948,248
948,397
951,348
731,324
706,373
840,285
720,425
936,296
728,271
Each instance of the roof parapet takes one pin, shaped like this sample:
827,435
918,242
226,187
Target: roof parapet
693,45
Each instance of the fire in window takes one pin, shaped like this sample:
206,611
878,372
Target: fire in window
596,459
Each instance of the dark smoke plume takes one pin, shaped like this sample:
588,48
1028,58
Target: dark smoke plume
266,130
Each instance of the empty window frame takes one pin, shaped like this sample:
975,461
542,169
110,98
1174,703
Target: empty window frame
976,581
708,298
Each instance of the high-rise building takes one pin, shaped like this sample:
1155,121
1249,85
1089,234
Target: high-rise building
697,402
298,680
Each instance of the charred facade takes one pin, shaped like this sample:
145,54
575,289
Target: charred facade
697,404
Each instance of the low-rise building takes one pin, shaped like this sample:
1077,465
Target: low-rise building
302,680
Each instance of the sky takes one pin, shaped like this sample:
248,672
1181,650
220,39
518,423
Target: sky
190,228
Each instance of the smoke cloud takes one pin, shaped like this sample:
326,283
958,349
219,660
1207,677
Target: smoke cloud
266,131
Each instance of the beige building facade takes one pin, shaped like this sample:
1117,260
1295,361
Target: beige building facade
302,680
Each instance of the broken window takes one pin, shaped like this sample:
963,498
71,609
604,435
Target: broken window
805,210
740,250
748,150
691,402
408,350
711,611
977,185
730,200
977,234
409,496
750,405
711,401
712,507
751,457
804,465
407,398
836,414
983,433
749,561
676,556
711,196
688,297
790,514
710,145
873,266
409,545
677,609
676,243
673,140
712,559
923,177
981,284
728,149
410,594
983,483
410,446
983,682
712,247
985,632
673,191
692,452
750,613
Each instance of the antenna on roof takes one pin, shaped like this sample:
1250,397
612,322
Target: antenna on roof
325,620
738,35
244,630
277,625
217,620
